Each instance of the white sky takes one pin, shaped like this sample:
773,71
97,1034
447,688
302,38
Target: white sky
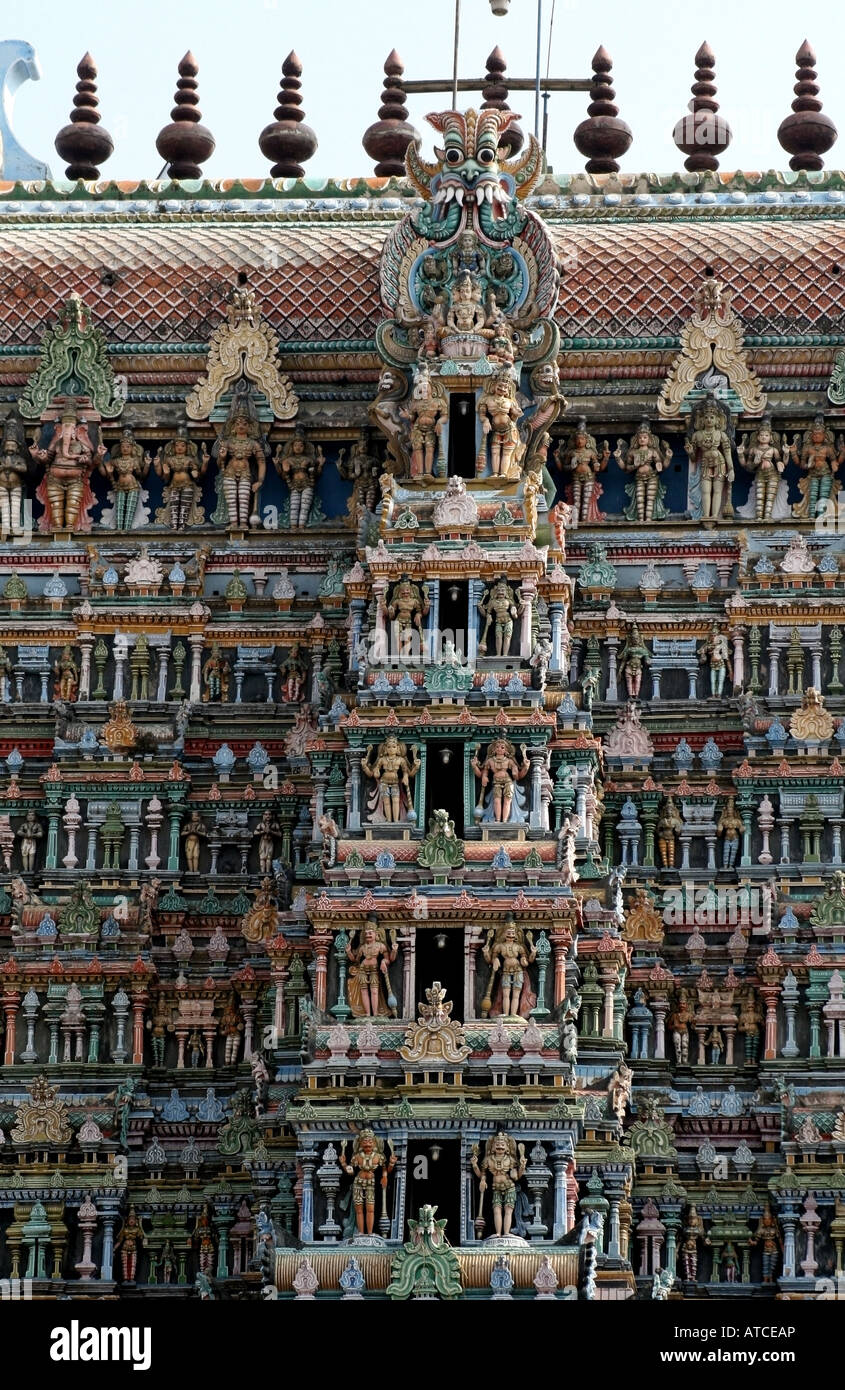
240,45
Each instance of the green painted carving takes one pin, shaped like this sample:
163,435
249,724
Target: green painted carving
441,848
836,389
73,363
81,916
829,910
426,1266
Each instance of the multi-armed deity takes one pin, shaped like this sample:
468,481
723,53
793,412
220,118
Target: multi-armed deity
13,472
69,457
500,1170
241,454
502,799
370,991
580,456
391,769
645,457
761,453
498,607
818,455
181,465
407,606
508,951
126,466
299,463
708,445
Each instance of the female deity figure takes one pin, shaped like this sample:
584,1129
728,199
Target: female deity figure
501,799
365,1161
125,468
499,414
669,824
202,1240
768,1235
509,951
293,676
13,471
66,673
266,832
818,456
131,1236
240,453
633,657
501,1168
761,455
299,463
362,469
193,834
370,991
499,606
426,415
29,833
678,1024
181,465
645,457
730,825
391,769
407,606
693,1233
580,457
69,459
716,651
215,676
709,449
231,1028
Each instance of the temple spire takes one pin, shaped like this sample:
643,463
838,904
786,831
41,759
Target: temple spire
602,137
84,143
703,134
495,94
808,133
185,143
389,137
288,140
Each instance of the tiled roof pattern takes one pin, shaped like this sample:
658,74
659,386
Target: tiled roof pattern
165,282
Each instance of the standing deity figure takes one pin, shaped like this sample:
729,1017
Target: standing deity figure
580,456
69,459
761,454
391,769
293,676
29,833
633,657
501,1168
426,414
407,605
131,1236
240,454
180,465
767,1235
565,852
645,457
500,414
299,463
709,448
370,991
509,951
693,1233
125,468
193,835
669,824
716,651
818,456
499,773
66,673
13,470
366,1159
362,469
231,1029
678,1024
215,677
266,832
499,606
730,825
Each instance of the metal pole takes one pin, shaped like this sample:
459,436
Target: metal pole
455,55
537,79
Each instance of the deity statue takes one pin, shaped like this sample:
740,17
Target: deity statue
293,675
387,415
693,1233
619,1090
66,673
669,824
645,457
632,658
818,455
426,414
499,414
193,835
768,1236
365,1161
69,459
361,467
499,606
391,769
13,470
180,464
131,1236
465,316
731,827
266,832
370,991
716,651
240,454
761,453
29,833
711,464
580,456
125,467
407,605
501,1168
299,463
216,672
508,951
678,1024
501,799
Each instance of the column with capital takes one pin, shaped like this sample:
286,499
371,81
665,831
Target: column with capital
11,1002
195,640
86,643
527,593
320,943
140,1000
163,659
353,758
612,675
738,638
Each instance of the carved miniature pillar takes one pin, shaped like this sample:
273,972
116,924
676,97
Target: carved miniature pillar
163,659
91,856
730,1035
52,856
354,756
770,996
784,840
140,999
560,1159
790,1003
556,620
121,654
316,668
196,641
608,979
612,692
174,811
538,759
320,945
120,1005
86,643
475,589
248,1007
30,1009
308,1159
574,654
356,617
659,1005
560,941
788,1220
107,1258
710,840
10,1000
816,657
701,1033
671,1221
528,593
738,638
836,851
613,1227
380,650
774,672
134,836
431,640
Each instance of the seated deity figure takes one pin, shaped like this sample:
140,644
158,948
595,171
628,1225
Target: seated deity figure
508,951
125,467
466,313
760,453
502,800
370,991
407,605
500,1169
581,457
13,471
392,770
818,455
499,606
299,463
499,414
240,454
180,465
69,458
711,464
426,415
366,1159
645,457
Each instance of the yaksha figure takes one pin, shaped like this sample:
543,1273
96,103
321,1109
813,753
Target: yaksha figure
646,457
818,456
299,463
370,991
29,833
365,1161
69,459
761,455
499,414
508,951
193,835
669,824
407,605
215,677
266,832
499,606
716,651
66,673
499,774
240,453
13,471
426,415
731,827
709,448
633,657
180,465
391,769
501,1168
126,467
581,457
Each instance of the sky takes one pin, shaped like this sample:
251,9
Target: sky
240,46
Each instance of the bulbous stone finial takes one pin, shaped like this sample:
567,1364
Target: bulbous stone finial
185,143
807,134
495,94
389,137
602,137
287,140
84,143
703,135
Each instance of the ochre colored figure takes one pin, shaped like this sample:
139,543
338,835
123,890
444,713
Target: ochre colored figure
632,659
502,1166
66,673
508,951
370,991
818,456
69,459
580,457
391,769
499,414
646,458
365,1161
669,824
730,825
131,1236
407,606
426,415
215,677
193,835
29,833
